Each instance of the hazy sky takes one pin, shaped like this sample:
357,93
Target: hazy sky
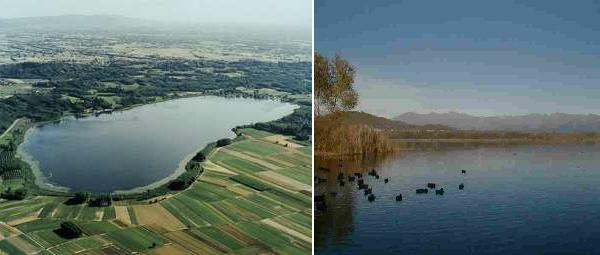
297,13
472,56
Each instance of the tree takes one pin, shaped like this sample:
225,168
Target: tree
334,81
18,194
79,198
70,230
223,142
321,81
101,200
200,157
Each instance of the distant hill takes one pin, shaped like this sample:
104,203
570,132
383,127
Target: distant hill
555,122
75,22
381,123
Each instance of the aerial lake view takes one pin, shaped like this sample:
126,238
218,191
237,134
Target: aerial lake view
137,147
177,127
529,199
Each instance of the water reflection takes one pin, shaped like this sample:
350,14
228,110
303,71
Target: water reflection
516,200
139,146
336,221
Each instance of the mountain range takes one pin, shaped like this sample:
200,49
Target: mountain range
555,122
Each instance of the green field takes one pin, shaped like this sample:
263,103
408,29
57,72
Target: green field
13,89
258,148
231,208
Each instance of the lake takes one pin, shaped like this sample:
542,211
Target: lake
516,200
140,146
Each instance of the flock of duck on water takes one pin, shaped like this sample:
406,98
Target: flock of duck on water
321,205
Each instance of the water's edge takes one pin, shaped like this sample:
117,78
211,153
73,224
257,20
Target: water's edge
42,182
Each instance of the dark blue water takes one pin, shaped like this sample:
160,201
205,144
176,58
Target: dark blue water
140,146
517,200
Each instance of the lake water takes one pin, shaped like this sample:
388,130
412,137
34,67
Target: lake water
136,147
516,200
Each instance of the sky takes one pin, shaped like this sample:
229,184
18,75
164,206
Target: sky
471,56
294,13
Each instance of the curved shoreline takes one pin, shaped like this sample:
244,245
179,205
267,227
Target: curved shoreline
178,171
42,182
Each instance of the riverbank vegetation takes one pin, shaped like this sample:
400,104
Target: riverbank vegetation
333,137
16,177
335,96
496,135
297,124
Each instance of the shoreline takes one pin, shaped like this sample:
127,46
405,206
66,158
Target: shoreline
42,182
178,171
401,145
494,141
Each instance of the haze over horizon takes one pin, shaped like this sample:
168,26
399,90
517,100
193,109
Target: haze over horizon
473,57
296,13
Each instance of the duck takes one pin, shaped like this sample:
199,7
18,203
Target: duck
368,191
461,186
371,198
399,197
463,171
386,180
373,172
439,191
422,191
431,185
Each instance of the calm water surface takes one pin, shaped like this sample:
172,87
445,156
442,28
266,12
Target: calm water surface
137,147
516,200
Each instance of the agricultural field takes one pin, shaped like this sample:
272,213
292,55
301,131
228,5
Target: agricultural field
14,89
253,197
